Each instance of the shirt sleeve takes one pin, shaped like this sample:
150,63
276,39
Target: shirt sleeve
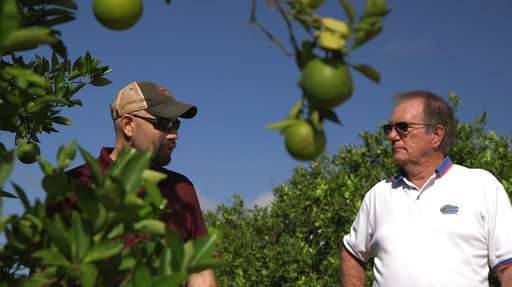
358,241
500,229
200,227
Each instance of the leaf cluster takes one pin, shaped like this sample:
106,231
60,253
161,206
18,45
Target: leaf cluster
106,233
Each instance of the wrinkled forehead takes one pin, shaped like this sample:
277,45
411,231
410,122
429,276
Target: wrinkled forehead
410,110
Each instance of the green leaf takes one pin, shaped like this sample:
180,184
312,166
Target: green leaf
188,254
204,248
70,4
103,250
206,264
153,195
295,111
26,74
349,10
119,164
7,194
177,250
80,240
86,200
93,165
314,118
6,166
45,165
376,8
153,175
165,262
22,196
330,115
62,121
173,280
66,154
363,35
151,226
58,234
368,71
279,125
101,219
88,275
131,174
141,276
127,263
26,39
52,258
117,231
56,186
100,82
9,17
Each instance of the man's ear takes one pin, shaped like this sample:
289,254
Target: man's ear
127,126
437,136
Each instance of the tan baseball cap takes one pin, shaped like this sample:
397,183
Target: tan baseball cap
153,98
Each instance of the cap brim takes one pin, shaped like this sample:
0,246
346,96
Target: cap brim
173,109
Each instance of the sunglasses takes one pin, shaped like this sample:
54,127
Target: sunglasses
161,124
402,128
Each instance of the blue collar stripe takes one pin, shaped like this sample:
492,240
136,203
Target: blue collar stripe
443,168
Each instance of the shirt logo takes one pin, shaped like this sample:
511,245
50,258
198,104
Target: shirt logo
449,209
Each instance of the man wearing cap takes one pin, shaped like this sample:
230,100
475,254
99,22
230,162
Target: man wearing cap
145,117
436,223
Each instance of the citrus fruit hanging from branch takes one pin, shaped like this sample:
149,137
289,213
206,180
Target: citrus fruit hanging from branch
323,57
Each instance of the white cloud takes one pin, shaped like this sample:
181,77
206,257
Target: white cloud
263,199
207,203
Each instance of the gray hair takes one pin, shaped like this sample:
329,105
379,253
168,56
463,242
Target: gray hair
436,111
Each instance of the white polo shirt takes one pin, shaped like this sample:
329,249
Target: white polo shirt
448,233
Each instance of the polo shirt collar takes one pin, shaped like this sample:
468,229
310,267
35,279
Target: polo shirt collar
440,171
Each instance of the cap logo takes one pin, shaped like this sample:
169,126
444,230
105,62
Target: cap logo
164,91
449,209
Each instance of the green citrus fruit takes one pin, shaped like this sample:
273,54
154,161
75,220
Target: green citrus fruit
117,14
303,142
28,152
327,83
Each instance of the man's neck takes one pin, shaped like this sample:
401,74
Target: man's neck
419,173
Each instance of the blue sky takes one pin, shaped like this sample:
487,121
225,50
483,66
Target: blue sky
205,53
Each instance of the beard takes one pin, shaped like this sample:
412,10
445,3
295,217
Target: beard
162,156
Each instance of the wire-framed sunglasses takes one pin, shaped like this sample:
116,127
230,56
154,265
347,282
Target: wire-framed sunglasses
161,124
402,128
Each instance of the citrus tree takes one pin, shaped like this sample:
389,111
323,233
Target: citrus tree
297,239
102,234
322,55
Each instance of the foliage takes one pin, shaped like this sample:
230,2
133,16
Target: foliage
32,93
103,234
296,240
331,40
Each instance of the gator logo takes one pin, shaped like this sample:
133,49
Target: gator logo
449,209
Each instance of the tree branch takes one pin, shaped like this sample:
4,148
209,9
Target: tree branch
271,37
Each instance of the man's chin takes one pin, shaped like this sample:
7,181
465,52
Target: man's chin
161,160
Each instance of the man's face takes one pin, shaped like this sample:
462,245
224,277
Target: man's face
147,137
415,144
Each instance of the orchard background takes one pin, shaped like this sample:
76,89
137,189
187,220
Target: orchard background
206,54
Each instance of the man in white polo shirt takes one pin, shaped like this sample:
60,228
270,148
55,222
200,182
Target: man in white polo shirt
436,223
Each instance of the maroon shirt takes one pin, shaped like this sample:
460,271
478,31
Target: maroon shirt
184,214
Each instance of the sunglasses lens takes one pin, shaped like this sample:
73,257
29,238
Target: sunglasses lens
402,127
387,128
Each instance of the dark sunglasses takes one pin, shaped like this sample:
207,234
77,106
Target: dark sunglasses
161,124
402,128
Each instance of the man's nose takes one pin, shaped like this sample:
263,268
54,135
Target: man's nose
171,135
393,135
